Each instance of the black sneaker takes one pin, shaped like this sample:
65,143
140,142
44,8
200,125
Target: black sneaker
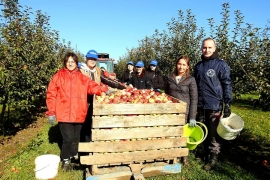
66,166
75,161
212,162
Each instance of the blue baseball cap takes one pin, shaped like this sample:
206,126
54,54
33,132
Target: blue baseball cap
92,54
154,62
139,64
130,62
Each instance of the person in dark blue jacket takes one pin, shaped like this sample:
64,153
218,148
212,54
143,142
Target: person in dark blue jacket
214,94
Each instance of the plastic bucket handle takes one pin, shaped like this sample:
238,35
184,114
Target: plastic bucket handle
206,132
36,170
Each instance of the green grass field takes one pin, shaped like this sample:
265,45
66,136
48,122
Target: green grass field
244,158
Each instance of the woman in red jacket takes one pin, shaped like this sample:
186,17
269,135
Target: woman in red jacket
67,103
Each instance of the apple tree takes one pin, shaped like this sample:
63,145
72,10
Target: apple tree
28,58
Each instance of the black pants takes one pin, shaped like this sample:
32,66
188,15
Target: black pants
71,137
211,118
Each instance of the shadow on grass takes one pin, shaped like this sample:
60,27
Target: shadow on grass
245,151
55,136
250,103
17,120
248,154
247,103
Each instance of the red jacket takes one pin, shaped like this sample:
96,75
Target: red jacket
67,95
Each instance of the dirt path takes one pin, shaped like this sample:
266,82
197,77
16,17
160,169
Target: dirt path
10,145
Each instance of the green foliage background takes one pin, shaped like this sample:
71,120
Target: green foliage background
31,52
244,47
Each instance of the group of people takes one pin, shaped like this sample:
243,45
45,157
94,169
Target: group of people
206,93
141,78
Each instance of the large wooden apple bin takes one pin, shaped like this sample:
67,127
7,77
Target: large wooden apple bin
139,140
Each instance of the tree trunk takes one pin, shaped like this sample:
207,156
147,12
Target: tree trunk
2,115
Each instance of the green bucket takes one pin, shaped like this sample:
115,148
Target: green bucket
195,135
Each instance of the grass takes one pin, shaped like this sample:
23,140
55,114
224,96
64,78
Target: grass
242,159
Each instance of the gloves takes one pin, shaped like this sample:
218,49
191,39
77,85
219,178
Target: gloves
227,111
51,120
157,90
192,122
110,91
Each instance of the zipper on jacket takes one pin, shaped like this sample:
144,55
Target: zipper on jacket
70,95
204,79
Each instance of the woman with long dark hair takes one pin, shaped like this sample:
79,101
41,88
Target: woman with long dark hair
181,85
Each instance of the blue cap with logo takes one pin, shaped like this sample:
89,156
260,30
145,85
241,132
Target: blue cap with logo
92,54
139,64
154,62
130,62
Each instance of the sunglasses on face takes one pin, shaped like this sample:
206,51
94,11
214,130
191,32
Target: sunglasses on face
152,65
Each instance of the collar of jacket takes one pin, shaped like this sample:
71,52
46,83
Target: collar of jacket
213,56
69,71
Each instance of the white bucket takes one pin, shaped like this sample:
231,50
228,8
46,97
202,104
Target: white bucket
228,128
47,166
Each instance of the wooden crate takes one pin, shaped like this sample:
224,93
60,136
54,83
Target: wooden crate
138,140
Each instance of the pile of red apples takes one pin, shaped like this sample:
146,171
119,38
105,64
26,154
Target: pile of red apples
135,96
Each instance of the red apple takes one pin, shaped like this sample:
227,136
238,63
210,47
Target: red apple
128,94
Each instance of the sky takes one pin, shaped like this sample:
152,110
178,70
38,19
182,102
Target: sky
112,26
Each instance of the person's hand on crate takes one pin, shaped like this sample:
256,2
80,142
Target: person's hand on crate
130,86
110,91
192,122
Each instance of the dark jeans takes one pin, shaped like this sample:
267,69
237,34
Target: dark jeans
71,137
211,118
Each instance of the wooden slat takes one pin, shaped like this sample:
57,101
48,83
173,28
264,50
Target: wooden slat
140,120
134,133
133,156
138,177
121,175
156,108
150,169
161,170
124,146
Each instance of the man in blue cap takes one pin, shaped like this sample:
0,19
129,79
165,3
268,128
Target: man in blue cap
140,80
157,81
